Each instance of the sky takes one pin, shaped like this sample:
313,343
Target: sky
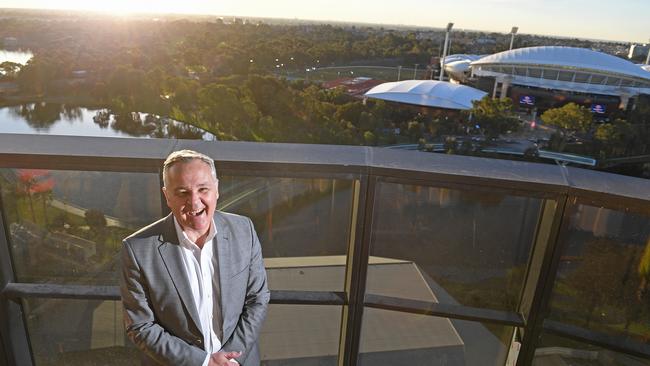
619,20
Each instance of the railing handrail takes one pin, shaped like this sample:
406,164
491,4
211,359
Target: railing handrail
73,152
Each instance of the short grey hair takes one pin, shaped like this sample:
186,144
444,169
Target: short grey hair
184,156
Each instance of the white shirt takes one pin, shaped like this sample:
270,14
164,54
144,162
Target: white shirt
200,267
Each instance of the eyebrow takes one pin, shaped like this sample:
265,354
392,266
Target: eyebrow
201,185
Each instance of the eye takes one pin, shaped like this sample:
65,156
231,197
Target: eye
204,190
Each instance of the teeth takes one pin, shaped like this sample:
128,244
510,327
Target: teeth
196,213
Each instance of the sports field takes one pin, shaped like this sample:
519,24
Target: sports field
375,72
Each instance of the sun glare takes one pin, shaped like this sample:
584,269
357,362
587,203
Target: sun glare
128,7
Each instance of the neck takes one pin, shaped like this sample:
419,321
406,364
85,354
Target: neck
197,237
200,241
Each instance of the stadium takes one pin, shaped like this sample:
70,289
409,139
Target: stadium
548,77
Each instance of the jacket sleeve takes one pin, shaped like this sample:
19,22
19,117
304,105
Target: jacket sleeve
140,322
247,330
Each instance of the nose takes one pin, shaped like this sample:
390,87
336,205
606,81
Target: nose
194,200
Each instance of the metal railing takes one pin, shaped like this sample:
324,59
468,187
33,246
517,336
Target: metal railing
563,187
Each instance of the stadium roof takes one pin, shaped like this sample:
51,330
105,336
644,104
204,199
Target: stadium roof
566,68
462,57
427,93
566,57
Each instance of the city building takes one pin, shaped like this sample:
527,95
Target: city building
638,51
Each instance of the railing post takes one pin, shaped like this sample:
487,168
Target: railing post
13,333
542,270
356,270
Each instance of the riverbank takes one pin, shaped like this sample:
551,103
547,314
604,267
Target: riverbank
77,100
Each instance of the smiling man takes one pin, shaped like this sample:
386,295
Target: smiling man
193,284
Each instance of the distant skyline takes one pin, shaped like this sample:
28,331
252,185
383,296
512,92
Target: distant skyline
617,20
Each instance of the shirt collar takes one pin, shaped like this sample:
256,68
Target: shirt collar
186,242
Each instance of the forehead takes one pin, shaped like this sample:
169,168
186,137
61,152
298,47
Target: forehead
192,172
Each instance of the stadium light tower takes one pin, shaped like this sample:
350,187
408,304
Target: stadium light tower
513,31
444,50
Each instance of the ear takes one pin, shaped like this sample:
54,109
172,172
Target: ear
216,188
165,193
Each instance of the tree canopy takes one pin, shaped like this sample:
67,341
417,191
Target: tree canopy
569,118
493,116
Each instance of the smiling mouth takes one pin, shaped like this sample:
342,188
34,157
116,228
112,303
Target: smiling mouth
196,213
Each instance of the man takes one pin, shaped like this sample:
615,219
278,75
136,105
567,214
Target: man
193,284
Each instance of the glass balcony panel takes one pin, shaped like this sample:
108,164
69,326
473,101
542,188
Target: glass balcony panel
67,226
301,335
88,332
553,350
395,338
603,279
77,333
303,226
451,246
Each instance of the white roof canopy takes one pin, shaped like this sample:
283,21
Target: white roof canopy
428,93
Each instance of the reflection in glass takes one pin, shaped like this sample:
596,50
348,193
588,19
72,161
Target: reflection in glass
301,335
67,226
303,226
394,338
558,351
603,278
451,246
78,332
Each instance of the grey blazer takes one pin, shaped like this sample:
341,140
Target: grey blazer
159,313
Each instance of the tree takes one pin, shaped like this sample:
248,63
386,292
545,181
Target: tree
369,138
37,75
493,116
9,69
615,137
95,219
569,119
223,109
639,118
414,129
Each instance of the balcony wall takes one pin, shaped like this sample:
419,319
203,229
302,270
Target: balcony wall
374,256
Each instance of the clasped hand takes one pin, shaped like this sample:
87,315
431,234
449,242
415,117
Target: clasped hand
224,359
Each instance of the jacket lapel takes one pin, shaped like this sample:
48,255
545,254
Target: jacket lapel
172,255
223,259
